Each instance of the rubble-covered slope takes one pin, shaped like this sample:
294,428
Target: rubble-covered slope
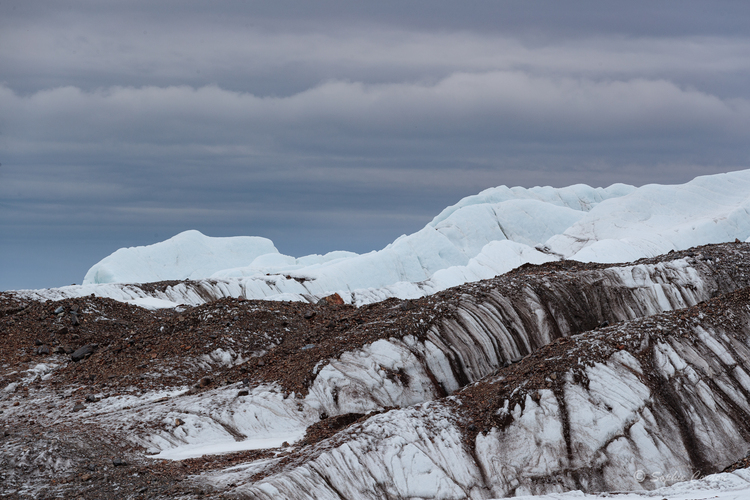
238,377
607,410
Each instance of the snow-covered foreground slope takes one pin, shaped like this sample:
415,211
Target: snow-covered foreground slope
480,237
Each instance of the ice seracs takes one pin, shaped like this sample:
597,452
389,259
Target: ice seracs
654,219
188,255
481,236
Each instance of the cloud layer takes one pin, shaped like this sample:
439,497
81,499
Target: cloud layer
343,128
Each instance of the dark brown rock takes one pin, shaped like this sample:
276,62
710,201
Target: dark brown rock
83,352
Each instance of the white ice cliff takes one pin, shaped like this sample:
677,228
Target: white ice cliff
479,237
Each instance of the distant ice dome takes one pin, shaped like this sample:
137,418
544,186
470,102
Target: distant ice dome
188,255
479,237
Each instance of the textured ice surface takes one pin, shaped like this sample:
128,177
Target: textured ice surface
654,219
646,416
637,423
634,422
187,255
480,237
472,343
734,486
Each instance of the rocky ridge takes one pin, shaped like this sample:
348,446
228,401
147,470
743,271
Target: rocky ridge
88,381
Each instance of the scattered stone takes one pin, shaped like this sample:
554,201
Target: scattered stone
309,314
308,346
74,319
331,300
205,381
85,477
406,305
43,350
78,407
178,422
242,392
119,462
83,352
60,310
91,398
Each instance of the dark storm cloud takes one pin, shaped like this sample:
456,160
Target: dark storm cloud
328,125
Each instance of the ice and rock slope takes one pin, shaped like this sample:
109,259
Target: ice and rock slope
484,390
479,237
444,368
604,411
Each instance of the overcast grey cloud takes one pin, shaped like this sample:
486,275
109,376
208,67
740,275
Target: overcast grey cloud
325,125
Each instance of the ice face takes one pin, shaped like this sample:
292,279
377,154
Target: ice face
189,254
480,237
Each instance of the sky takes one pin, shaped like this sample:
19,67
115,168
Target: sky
337,125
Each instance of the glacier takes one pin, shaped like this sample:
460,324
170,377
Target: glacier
520,357
621,362
481,236
609,410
